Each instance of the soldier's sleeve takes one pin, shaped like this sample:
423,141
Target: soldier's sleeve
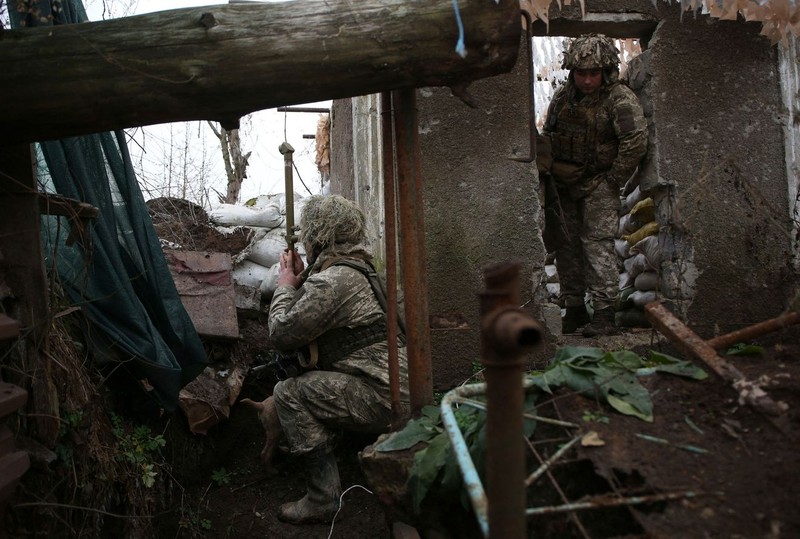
297,317
630,126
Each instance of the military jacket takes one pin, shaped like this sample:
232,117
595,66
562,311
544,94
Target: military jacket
604,135
336,297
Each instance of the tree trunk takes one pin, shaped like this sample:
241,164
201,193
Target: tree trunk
222,62
235,162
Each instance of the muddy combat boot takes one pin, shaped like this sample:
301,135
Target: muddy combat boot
322,499
574,318
602,324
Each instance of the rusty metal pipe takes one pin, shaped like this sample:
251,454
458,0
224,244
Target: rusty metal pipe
506,334
390,233
756,330
412,249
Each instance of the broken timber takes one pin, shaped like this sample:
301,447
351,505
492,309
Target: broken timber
223,62
691,344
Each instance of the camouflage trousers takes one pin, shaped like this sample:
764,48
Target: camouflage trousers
586,261
312,407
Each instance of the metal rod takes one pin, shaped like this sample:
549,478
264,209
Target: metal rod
472,481
506,334
756,330
390,233
546,464
305,109
599,502
412,249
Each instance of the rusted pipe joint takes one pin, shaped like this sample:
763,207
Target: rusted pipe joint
508,333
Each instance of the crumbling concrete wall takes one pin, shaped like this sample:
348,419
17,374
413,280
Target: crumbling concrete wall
718,173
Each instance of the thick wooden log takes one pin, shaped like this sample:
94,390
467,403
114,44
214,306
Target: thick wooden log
222,62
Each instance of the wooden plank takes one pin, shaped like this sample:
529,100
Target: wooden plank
12,398
205,285
223,62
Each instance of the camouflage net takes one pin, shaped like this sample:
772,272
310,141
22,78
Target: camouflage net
591,50
332,219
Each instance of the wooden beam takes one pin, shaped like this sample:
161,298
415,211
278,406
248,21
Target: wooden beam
223,62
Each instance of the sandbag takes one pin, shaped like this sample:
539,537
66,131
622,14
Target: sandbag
265,247
632,318
625,280
269,284
636,265
649,229
640,298
643,212
249,273
631,200
267,216
622,248
650,248
646,280
623,300
625,226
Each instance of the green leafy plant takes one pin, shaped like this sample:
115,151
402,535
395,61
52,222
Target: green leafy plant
221,476
612,376
138,446
594,417
741,349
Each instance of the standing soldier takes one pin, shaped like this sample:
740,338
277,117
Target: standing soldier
597,135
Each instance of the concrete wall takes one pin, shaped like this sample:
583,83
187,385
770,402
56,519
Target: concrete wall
719,173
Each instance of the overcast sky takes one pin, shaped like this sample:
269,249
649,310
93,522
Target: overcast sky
262,133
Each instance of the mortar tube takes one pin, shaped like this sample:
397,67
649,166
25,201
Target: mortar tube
507,333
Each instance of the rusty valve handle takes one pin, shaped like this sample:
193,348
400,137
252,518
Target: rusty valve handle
509,332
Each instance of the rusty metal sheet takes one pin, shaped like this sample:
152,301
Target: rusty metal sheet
205,285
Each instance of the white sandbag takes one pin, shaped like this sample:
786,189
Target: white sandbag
636,265
622,248
650,248
269,284
625,280
248,273
551,272
646,280
265,247
631,200
640,298
268,215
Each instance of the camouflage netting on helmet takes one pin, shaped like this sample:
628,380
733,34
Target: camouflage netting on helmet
328,220
591,50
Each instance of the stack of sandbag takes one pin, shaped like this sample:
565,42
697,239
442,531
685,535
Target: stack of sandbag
640,258
256,266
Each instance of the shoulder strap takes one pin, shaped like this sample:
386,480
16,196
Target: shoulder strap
368,270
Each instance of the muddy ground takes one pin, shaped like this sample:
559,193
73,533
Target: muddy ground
732,472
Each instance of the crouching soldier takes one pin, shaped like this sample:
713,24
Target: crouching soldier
333,310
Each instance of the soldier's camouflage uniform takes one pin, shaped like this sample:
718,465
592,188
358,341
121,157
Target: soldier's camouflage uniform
353,392
599,141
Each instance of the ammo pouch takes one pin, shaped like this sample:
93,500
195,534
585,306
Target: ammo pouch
341,342
566,173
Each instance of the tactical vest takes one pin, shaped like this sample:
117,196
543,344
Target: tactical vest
574,133
339,343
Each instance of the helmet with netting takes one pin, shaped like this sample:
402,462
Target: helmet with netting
328,220
591,51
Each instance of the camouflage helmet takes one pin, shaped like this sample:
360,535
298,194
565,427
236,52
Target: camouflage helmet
330,219
589,51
